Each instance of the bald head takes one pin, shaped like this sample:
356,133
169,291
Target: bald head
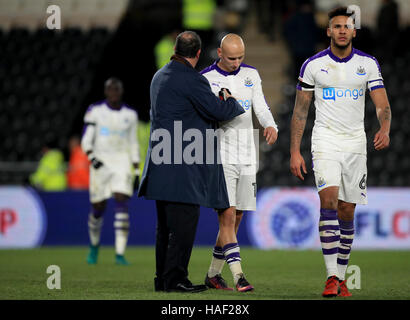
231,52
232,40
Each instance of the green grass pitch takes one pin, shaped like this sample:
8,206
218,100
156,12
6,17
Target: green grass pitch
276,274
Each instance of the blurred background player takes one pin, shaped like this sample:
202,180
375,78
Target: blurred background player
237,153
339,77
110,141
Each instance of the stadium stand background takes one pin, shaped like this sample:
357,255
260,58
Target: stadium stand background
49,77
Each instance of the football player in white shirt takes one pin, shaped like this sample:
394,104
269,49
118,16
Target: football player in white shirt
238,154
110,141
338,77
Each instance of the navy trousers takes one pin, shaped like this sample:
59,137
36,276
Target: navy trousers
175,235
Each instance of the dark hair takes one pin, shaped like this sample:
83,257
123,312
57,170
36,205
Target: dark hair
111,81
340,11
187,44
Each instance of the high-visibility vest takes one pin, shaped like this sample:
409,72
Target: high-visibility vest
78,173
50,174
198,14
163,50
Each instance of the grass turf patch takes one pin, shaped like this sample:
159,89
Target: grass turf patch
275,274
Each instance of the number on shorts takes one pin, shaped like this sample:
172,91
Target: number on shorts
254,189
362,184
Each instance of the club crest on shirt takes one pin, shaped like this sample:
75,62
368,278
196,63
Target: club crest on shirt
360,71
248,82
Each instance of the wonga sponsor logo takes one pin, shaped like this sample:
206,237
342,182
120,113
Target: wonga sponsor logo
246,104
22,218
332,93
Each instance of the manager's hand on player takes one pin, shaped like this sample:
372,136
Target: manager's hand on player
271,135
381,140
224,94
96,163
296,162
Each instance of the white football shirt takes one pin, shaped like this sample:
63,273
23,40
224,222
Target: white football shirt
110,134
340,87
245,84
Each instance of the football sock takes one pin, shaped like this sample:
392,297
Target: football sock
121,226
329,238
346,240
233,258
217,262
95,222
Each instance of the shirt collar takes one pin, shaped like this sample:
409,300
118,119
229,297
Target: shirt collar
337,59
111,108
223,72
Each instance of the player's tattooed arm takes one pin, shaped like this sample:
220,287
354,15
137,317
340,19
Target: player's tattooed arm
381,139
297,127
299,117
384,114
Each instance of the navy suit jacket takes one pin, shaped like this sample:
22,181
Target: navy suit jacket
181,99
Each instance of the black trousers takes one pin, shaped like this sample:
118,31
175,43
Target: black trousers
175,235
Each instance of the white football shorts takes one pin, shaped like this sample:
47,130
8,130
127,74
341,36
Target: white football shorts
105,181
348,171
241,186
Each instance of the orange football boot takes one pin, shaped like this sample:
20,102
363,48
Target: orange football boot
344,292
331,288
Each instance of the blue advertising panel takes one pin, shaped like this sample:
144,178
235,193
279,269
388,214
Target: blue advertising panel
287,218
29,218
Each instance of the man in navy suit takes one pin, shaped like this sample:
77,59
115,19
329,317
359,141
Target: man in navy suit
181,170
